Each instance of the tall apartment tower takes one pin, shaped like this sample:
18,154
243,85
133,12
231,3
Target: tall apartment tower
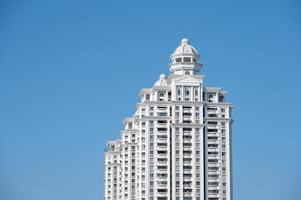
177,145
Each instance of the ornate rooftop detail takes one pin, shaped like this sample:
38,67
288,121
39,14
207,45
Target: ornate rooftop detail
162,81
185,49
185,59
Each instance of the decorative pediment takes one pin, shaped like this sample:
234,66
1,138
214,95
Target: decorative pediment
187,79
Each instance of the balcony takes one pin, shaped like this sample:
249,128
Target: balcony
213,134
162,114
161,139
162,171
161,148
161,155
210,195
213,141
186,110
187,163
185,178
209,125
187,133
212,115
162,132
161,125
210,110
214,156
214,164
187,148
187,151
187,114
214,172
162,192
187,192
161,185
187,186
187,171
187,155
186,118
162,108
213,149
210,187
187,140
162,176
187,175
162,162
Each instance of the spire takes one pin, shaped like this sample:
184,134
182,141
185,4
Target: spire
185,59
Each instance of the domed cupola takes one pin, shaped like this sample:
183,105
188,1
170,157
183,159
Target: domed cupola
185,59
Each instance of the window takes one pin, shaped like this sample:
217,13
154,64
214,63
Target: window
221,98
210,98
178,59
187,59
147,97
187,73
161,96
179,91
187,92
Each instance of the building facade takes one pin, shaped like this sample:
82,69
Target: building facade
177,145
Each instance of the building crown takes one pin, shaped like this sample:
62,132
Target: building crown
185,59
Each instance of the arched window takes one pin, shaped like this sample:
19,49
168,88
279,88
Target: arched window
210,98
161,96
187,73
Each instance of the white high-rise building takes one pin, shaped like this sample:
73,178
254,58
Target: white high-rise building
177,145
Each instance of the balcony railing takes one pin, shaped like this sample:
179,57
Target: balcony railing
187,110
187,140
187,162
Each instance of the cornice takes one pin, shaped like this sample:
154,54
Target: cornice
219,119
157,117
218,103
186,125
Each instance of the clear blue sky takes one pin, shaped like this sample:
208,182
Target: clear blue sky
71,71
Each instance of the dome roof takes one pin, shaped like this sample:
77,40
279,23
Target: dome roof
162,81
185,48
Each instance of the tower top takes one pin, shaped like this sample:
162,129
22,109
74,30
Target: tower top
185,41
185,59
